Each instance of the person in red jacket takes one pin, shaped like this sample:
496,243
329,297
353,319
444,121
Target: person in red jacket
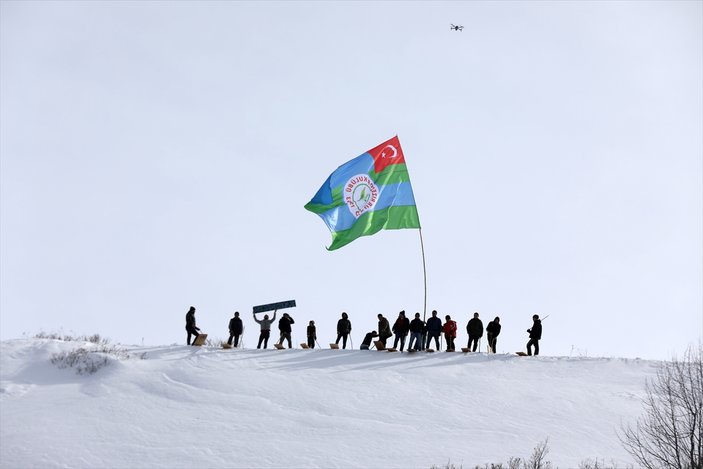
449,330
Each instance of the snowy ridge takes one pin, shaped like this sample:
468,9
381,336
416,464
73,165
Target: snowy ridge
205,407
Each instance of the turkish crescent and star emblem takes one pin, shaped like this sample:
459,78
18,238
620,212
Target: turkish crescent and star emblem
361,192
386,154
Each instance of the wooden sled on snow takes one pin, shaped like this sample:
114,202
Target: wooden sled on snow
200,340
522,354
304,345
465,349
278,346
379,345
334,346
225,345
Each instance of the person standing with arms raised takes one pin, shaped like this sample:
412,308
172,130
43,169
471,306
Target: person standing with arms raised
265,328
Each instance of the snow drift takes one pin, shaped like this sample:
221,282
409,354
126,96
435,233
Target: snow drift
178,406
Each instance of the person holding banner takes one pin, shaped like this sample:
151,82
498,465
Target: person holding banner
265,328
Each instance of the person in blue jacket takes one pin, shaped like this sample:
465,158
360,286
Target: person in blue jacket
434,329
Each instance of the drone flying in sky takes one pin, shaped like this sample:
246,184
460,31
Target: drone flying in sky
456,27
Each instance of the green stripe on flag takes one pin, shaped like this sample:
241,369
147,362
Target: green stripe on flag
393,174
336,202
395,217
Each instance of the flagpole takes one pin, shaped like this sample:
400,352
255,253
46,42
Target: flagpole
424,272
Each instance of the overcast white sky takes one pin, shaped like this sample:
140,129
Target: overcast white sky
157,155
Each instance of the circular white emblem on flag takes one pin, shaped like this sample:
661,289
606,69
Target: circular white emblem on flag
360,194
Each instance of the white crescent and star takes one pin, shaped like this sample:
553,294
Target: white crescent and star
383,152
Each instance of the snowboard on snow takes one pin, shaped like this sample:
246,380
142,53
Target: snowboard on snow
200,340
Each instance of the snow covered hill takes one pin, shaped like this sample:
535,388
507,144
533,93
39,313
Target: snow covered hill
178,406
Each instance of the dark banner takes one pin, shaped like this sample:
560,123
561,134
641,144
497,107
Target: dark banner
273,306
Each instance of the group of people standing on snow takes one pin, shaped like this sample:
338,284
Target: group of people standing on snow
421,332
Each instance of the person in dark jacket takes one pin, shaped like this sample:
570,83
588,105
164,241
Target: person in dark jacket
343,329
384,329
475,330
535,335
417,325
265,329
492,332
235,329
191,328
434,329
284,327
400,329
312,334
368,338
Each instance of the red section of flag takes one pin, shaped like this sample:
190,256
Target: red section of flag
386,154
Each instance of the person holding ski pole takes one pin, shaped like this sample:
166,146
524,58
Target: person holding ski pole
235,329
265,328
312,334
343,330
535,335
492,331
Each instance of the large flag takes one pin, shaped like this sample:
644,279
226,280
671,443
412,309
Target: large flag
370,193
